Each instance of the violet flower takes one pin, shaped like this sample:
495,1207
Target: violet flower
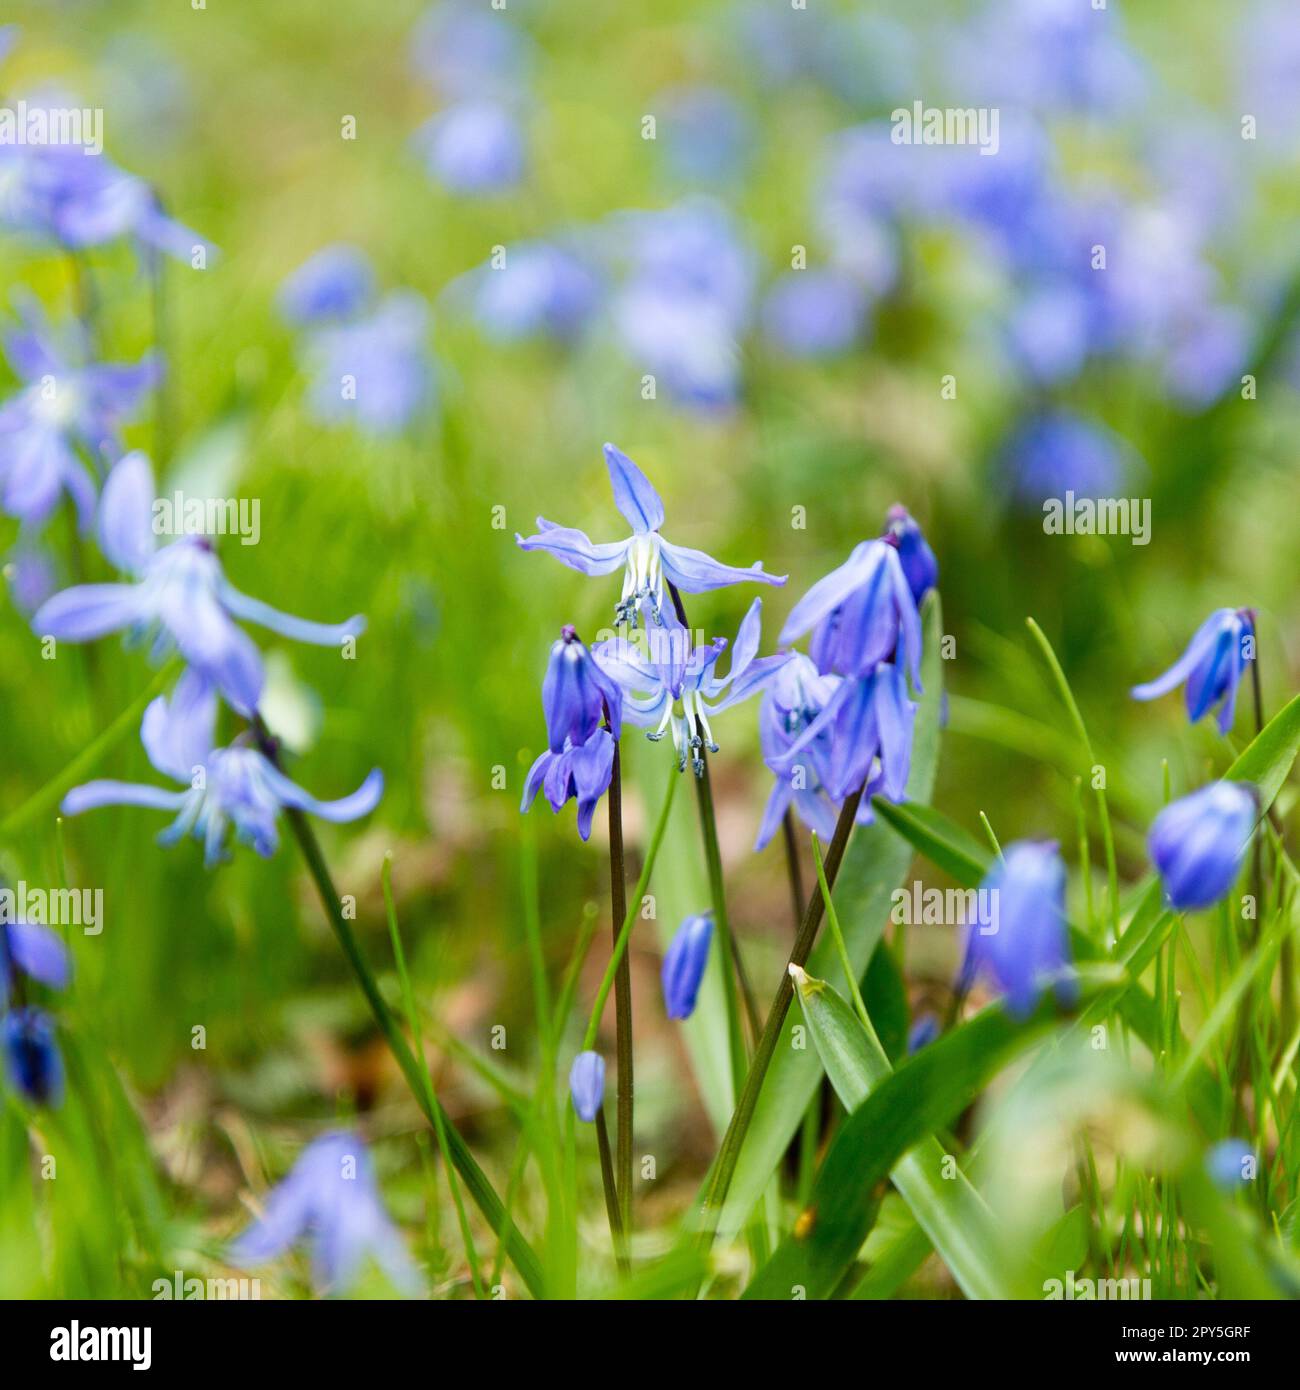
1211,668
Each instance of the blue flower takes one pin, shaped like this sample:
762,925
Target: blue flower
815,313
466,51
922,1033
35,951
542,288
1199,841
331,1199
474,147
1056,453
920,567
863,613
32,1062
375,371
334,284
1230,1163
1021,940
648,560
181,594
1211,667
705,136
792,701
62,412
224,787
674,673
577,695
587,1084
684,963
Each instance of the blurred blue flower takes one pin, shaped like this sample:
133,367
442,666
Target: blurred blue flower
542,288
374,372
474,147
815,313
1020,940
64,412
1207,355
1057,452
8,37
336,283
1199,841
467,50
578,763
920,568
1230,1163
706,136
673,671
33,1066
684,963
922,1032
35,951
29,571
792,700
181,595
646,558
1212,666
587,1084
330,1199
228,787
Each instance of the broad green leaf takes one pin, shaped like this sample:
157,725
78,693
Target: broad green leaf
873,867
1267,759
949,1210
925,1094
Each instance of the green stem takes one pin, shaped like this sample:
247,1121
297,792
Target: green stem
729,1154
611,1193
622,996
793,871
833,922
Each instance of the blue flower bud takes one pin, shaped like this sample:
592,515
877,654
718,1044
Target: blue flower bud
1199,841
32,1062
920,568
1230,1163
587,1084
684,964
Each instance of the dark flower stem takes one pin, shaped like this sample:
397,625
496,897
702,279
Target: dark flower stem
521,1253
795,873
622,997
611,1195
725,1167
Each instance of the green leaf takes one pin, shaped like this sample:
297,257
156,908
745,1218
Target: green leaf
885,994
925,1094
949,1210
873,867
1268,758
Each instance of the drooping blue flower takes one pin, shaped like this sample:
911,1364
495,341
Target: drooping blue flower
33,1064
374,372
235,787
815,313
542,288
792,700
1212,666
1056,453
1230,1163
474,147
648,560
674,687
1020,940
861,614
922,1032
35,951
335,284
331,1200
468,50
181,595
65,410
1199,841
684,963
584,719
587,1085
920,567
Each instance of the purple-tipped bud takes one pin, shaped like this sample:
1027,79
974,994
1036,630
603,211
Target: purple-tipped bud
1211,667
684,963
32,1062
587,1084
1199,841
1020,939
920,568
577,694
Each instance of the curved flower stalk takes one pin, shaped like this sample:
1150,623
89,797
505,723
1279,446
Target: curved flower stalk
1211,668
181,595
679,688
579,760
331,1199
64,412
235,787
1199,842
33,1065
648,561
1020,940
